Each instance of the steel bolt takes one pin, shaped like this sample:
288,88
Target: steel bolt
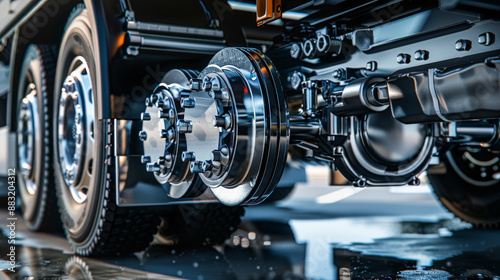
207,86
143,135
164,104
184,126
222,95
403,58
296,51
216,155
154,98
207,166
196,167
188,156
415,181
463,45
152,167
221,155
69,86
223,121
195,84
421,55
145,117
337,74
215,82
145,159
160,161
296,79
486,39
188,102
371,66
167,133
166,114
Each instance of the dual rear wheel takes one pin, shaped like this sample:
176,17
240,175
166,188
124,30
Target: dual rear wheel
63,151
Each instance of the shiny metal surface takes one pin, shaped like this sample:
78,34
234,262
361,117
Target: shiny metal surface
27,131
257,138
75,132
166,139
391,140
367,157
231,126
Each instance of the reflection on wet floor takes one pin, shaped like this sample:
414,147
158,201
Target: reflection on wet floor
298,242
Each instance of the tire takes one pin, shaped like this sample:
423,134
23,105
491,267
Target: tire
93,223
469,189
199,224
34,150
278,194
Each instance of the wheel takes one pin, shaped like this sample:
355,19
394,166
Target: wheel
37,193
279,193
470,189
93,223
199,224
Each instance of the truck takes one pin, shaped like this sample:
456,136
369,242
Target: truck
123,118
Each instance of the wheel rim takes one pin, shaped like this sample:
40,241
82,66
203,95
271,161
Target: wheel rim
476,166
28,127
75,133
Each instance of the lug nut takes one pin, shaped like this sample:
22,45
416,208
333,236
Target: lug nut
148,102
152,167
163,104
69,86
145,117
196,167
160,161
222,95
207,166
184,126
188,156
195,84
154,98
216,155
215,83
463,45
166,114
486,39
167,134
188,102
75,97
207,86
145,159
421,55
403,58
223,121
143,135
221,155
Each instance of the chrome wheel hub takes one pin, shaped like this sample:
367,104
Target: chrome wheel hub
75,129
27,130
230,127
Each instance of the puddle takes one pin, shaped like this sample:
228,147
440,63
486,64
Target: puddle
380,247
